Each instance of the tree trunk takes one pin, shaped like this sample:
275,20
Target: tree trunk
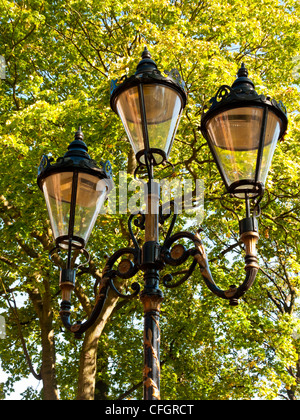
88,357
131,166
48,360
43,308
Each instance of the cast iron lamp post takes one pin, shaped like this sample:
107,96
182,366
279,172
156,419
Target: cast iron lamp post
242,129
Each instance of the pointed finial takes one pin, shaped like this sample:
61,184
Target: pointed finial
77,144
242,78
146,53
243,72
79,134
146,64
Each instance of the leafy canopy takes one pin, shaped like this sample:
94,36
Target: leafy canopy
60,59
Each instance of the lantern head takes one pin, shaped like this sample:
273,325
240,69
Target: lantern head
150,106
242,129
75,189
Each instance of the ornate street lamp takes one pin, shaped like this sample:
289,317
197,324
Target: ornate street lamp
242,129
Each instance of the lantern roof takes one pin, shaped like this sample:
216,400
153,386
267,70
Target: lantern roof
76,158
146,73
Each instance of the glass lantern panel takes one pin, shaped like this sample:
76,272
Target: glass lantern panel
128,107
163,110
234,135
91,193
57,189
273,130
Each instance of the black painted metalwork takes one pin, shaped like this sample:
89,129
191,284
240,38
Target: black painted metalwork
76,157
154,257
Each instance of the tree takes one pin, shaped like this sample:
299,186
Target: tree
60,59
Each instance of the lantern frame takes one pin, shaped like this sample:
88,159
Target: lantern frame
242,94
75,161
147,74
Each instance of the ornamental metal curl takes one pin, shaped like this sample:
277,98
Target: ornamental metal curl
44,163
138,222
168,278
222,94
227,94
163,216
135,287
126,269
175,75
177,255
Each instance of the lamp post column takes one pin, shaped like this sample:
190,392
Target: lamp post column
151,296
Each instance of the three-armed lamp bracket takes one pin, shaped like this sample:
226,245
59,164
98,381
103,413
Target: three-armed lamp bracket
241,128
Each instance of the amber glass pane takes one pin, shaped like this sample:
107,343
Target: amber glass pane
91,193
128,106
162,109
235,136
273,130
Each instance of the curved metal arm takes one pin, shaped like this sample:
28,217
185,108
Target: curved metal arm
171,254
179,254
79,328
67,285
126,269
234,293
